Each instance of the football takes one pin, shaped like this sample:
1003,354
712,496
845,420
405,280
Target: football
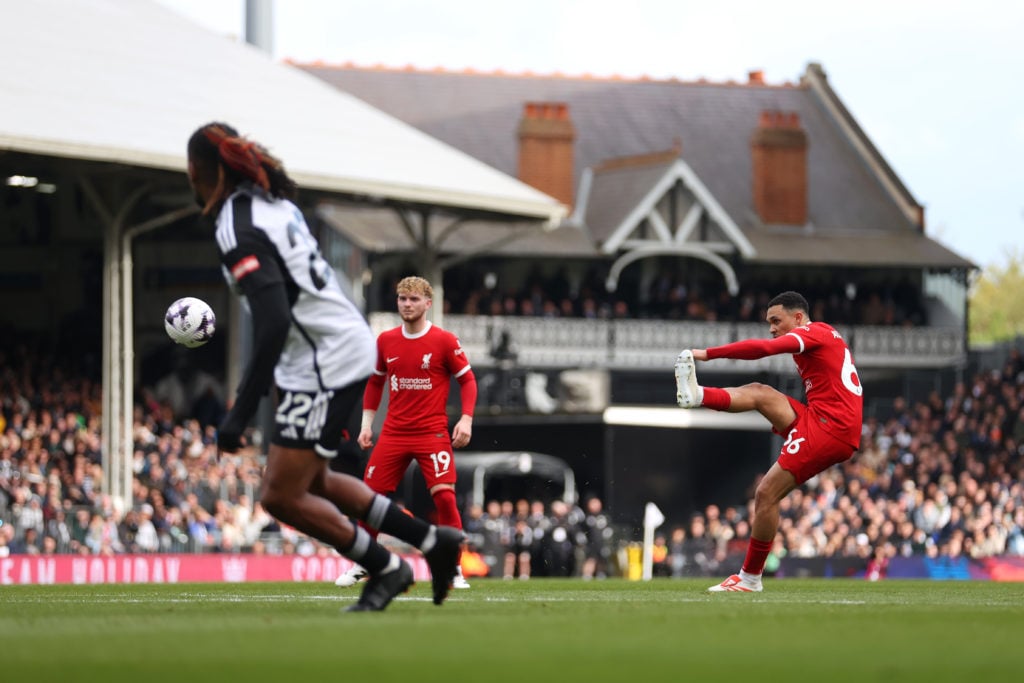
190,322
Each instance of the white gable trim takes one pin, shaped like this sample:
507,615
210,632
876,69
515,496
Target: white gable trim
689,224
646,208
691,250
579,212
660,226
641,211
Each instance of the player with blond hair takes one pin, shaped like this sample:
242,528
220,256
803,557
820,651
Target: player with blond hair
415,364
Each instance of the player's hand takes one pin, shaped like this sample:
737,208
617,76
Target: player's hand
229,442
463,432
229,435
365,439
700,354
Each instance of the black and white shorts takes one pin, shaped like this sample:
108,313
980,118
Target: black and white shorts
315,420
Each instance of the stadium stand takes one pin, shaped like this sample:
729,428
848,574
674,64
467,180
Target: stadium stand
939,479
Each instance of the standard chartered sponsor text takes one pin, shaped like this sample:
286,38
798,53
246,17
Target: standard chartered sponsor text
415,383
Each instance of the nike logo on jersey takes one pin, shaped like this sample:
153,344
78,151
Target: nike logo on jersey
391,360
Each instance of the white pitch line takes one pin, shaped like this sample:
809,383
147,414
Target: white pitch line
773,599
673,599
193,598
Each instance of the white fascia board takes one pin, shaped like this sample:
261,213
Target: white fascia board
679,418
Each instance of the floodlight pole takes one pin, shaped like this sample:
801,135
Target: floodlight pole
259,24
116,404
119,336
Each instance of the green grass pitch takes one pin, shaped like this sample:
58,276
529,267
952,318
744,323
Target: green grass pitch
525,631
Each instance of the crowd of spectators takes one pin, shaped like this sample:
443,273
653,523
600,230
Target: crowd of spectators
669,297
528,538
189,499
939,478
51,473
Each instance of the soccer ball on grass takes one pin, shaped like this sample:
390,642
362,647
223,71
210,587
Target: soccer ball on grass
190,322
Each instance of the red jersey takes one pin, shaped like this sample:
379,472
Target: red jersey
825,364
418,371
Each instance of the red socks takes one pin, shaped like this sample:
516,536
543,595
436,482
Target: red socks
447,508
716,399
757,554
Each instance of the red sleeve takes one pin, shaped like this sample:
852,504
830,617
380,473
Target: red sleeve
752,349
374,392
467,392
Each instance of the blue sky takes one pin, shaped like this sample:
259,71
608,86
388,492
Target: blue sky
937,85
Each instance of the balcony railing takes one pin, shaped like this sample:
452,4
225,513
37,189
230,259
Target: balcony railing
627,344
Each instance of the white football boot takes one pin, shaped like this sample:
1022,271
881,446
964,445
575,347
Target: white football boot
354,575
737,584
459,581
687,391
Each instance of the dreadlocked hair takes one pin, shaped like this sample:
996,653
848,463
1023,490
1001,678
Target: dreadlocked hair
217,148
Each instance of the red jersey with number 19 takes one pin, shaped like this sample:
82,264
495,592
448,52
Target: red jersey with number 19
826,367
418,371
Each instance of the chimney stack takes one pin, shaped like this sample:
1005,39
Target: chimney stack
546,143
755,77
779,154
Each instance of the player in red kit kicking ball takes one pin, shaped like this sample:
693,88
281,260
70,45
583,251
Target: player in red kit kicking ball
821,433
416,362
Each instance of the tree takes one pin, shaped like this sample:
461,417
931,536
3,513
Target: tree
996,301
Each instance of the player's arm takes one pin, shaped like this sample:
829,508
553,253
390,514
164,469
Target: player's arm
372,396
752,349
463,430
260,279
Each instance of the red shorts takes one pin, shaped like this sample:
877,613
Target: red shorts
810,449
391,456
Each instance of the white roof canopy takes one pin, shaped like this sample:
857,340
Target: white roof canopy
129,80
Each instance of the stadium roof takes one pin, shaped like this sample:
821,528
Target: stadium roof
853,192
377,230
128,81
